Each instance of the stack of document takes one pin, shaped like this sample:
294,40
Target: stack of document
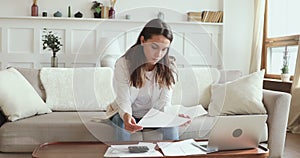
181,148
122,151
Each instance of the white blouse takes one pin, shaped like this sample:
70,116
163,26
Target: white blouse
138,101
143,104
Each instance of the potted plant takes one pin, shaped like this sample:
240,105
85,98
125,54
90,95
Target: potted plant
285,76
52,42
96,7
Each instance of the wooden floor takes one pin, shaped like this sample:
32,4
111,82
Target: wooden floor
292,148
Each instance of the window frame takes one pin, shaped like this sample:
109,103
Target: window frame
292,40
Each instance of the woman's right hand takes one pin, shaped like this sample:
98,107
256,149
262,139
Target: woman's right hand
130,124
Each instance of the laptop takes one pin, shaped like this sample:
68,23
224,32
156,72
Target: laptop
234,132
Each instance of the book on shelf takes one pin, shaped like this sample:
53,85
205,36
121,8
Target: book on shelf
194,16
212,16
206,16
221,17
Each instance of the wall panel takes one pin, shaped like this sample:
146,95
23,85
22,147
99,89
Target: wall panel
194,44
198,48
83,42
20,40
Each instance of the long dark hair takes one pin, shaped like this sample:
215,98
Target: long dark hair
136,59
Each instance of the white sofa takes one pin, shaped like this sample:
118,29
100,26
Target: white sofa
83,124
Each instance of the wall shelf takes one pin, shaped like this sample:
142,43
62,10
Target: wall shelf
194,44
103,20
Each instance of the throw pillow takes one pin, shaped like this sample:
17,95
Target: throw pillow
18,99
78,89
193,86
33,77
241,96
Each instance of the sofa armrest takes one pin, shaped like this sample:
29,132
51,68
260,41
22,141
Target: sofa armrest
277,105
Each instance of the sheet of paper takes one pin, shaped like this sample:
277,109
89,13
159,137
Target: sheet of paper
192,111
155,118
181,148
122,151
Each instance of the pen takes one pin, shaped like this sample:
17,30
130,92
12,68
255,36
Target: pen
199,146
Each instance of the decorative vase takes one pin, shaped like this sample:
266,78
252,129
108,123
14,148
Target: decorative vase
69,11
111,13
34,9
54,61
97,15
57,14
78,15
285,77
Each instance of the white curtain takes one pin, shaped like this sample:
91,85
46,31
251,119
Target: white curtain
294,117
259,6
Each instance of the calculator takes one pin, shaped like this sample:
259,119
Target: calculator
138,149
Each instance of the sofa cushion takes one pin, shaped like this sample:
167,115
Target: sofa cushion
241,96
26,134
33,77
193,86
80,89
18,99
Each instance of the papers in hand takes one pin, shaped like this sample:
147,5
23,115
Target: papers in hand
122,151
181,148
155,118
192,111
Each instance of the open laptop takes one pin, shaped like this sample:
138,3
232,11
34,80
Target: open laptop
235,132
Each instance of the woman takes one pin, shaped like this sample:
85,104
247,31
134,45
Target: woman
143,79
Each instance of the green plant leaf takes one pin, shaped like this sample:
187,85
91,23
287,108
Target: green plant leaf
51,41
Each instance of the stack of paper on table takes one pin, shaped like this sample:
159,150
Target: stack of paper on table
122,151
181,148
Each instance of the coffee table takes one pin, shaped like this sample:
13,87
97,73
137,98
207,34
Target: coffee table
97,150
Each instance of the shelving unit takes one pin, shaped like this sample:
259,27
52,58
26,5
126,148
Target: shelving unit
100,20
195,43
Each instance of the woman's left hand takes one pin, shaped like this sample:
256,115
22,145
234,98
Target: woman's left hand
185,116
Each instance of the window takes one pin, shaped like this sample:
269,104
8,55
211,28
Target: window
274,51
281,34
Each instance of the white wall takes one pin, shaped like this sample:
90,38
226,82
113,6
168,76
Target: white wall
237,22
238,32
22,7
